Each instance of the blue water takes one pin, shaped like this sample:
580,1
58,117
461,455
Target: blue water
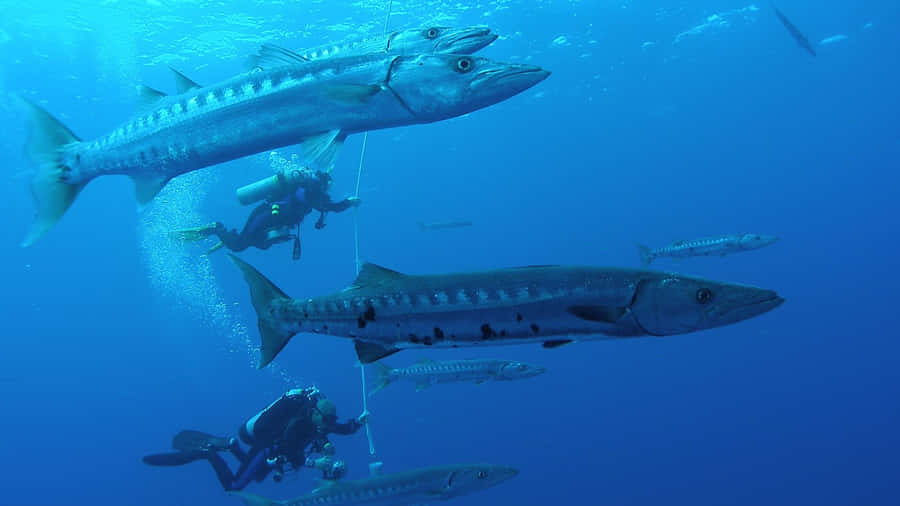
662,120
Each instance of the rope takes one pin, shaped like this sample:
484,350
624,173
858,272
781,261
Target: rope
362,156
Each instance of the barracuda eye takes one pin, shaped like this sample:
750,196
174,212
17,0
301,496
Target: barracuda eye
464,64
481,475
432,33
704,295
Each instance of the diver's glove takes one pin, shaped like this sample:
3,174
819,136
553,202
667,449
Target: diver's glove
363,418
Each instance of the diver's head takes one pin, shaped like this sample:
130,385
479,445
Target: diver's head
324,414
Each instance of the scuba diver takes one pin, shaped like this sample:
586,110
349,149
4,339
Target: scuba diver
288,197
283,436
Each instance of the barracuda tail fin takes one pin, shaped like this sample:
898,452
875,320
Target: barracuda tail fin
262,293
52,195
383,377
253,499
646,255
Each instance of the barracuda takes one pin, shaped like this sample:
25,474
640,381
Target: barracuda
428,372
433,39
419,486
385,311
708,246
317,104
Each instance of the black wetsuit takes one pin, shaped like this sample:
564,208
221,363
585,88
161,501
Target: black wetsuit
283,429
290,211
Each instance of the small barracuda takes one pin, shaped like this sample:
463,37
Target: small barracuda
317,104
385,311
800,37
428,372
433,39
708,246
420,486
443,225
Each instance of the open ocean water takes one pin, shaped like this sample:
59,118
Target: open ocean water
662,120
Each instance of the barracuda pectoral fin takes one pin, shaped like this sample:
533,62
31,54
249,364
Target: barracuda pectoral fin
353,94
370,352
422,385
604,314
555,343
322,149
182,83
270,56
148,187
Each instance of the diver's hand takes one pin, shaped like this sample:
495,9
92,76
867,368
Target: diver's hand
354,201
363,418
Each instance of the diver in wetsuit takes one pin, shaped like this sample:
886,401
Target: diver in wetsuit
271,222
283,436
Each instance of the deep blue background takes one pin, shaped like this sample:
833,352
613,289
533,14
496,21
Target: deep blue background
733,128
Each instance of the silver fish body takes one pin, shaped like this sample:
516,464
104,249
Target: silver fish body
708,246
385,311
419,486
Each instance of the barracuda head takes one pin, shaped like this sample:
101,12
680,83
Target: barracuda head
754,241
462,480
441,39
673,304
437,87
519,370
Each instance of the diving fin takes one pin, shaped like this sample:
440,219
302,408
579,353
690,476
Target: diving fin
262,293
173,458
193,234
216,247
193,440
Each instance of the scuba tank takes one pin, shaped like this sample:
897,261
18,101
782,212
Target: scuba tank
271,187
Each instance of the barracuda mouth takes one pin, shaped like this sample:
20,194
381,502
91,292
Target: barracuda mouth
522,73
764,303
478,38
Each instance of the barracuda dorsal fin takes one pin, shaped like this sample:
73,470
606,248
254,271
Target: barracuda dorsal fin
372,274
603,314
556,343
270,56
182,83
422,385
370,352
149,96
147,187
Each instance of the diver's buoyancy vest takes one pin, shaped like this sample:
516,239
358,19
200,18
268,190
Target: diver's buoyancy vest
269,424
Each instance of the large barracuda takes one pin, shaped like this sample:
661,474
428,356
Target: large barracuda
385,311
432,39
317,103
428,372
420,486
